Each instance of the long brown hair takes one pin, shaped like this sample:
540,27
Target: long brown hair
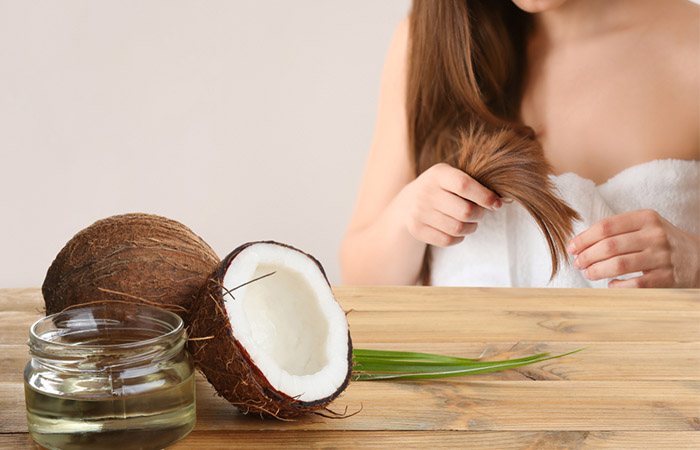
465,78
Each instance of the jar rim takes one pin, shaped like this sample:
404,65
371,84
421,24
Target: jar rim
165,317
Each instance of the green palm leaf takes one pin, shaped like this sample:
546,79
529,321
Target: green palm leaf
386,364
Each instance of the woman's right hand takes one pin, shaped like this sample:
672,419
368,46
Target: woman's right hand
444,204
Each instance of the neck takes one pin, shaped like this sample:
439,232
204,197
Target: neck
583,19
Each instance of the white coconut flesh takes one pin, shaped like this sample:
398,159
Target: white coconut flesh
289,323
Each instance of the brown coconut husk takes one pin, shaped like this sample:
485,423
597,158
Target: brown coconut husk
227,365
134,258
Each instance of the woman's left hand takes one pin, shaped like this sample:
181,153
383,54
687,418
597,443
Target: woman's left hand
638,241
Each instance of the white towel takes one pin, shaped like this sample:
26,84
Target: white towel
508,249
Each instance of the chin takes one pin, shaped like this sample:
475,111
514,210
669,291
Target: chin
535,6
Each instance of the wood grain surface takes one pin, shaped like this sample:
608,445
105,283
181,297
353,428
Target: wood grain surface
636,387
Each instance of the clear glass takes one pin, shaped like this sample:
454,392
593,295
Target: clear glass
109,376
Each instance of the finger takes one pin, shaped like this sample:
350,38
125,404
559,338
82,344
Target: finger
610,247
611,226
458,182
449,225
437,238
457,207
661,278
623,264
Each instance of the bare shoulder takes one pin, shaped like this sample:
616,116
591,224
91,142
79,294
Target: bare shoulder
395,66
678,53
402,30
388,168
678,27
397,56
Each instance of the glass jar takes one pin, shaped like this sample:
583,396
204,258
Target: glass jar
109,376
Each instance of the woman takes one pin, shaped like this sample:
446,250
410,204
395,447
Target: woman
610,90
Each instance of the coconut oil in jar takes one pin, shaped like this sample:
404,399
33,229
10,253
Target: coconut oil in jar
109,376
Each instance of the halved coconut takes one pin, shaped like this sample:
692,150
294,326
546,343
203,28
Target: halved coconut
279,345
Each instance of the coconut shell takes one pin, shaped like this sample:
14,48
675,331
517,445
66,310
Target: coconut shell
228,366
134,258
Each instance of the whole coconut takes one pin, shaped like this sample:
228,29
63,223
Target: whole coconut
135,258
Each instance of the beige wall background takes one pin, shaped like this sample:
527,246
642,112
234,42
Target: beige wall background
244,120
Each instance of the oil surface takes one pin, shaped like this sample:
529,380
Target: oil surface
150,420
107,335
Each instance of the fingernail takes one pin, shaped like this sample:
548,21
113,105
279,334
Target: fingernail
497,204
586,274
571,248
577,264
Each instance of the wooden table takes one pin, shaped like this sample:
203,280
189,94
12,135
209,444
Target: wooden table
637,387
